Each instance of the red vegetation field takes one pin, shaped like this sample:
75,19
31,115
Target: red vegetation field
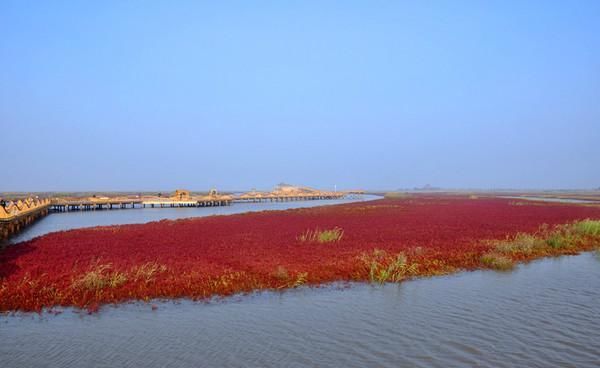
221,255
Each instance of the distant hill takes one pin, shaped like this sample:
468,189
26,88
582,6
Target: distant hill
427,187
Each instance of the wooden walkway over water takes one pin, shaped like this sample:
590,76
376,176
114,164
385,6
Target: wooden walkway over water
64,205
14,215
183,198
270,197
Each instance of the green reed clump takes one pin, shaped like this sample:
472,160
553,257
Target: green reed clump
587,228
521,244
321,236
563,236
570,235
100,277
497,261
558,241
147,272
547,241
384,267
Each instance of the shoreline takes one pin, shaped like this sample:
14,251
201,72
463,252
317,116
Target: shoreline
215,300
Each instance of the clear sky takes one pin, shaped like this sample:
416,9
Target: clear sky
145,95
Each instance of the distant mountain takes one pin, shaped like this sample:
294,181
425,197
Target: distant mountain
427,187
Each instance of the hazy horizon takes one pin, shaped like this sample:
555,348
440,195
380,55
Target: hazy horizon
130,96
368,190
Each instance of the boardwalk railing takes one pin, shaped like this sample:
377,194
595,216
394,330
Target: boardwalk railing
16,214
10,210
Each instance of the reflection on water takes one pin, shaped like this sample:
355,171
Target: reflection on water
543,314
79,219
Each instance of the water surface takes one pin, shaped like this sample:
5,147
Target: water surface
544,314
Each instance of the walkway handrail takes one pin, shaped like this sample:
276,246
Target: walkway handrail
11,210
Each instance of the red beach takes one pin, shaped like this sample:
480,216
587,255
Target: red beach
221,255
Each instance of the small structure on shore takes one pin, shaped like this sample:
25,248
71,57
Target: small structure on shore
286,192
181,195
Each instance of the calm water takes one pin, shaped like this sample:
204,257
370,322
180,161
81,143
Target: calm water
544,314
79,219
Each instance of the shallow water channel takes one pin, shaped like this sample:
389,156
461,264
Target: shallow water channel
543,314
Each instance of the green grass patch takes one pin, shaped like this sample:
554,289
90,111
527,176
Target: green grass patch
497,261
384,267
547,239
100,277
521,244
565,236
587,228
321,236
558,241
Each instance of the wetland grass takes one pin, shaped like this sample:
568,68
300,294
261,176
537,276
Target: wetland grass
321,236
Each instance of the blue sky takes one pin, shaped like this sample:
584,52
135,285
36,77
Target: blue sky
144,95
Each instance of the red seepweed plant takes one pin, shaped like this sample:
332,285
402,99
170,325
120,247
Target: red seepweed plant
382,241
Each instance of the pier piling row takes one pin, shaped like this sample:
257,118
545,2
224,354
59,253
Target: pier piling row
71,205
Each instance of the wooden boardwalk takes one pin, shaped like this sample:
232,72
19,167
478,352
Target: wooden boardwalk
86,204
63,205
182,198
270,197
14,215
